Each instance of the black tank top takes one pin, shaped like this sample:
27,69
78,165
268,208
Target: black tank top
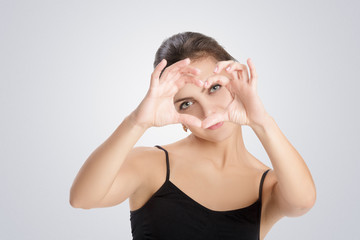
170,214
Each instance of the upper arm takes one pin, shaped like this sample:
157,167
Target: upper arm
276,206
129,178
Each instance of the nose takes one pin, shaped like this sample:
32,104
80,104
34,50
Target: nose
210,108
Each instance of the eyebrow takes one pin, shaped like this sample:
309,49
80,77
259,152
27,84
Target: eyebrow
185,98
180,99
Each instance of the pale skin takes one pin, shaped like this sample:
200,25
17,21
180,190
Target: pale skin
210,166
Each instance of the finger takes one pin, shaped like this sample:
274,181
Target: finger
186,70
235,66
175,67
232,66
216,78
245,74
221,65
213,119
178,69
157,71
254,76
242,72
183,79
189,120
190,70
179,64
190,74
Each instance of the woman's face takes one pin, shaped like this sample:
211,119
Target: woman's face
201,102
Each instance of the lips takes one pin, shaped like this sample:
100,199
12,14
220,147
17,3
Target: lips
215,126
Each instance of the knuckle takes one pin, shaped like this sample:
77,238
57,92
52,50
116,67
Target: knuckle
222,64
154,74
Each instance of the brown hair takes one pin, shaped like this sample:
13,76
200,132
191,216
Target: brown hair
191,45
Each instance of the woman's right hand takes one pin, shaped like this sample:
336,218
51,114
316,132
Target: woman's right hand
157,108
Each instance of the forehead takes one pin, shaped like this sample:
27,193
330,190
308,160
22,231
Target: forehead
206,65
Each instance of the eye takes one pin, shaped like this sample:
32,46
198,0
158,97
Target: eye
184,104
215,86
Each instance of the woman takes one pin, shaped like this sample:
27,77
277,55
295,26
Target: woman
207,185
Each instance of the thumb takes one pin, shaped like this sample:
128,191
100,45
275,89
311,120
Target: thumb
213,119
189,120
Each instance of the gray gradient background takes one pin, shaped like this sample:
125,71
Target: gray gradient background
72,70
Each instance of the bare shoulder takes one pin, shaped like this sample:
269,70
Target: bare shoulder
144,158
143,163
151,169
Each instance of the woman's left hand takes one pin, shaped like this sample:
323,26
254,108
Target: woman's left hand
246,107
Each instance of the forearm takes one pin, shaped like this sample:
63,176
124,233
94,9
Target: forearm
99,171
294,178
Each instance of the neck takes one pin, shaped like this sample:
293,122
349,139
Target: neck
222,154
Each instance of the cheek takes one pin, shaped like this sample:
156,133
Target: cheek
224,97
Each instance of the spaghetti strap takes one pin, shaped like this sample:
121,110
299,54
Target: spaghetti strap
172,214
167,162
261,183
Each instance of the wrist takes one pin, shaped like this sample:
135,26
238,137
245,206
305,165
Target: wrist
264,125
133,121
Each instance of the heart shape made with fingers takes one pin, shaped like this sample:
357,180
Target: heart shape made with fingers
246,107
